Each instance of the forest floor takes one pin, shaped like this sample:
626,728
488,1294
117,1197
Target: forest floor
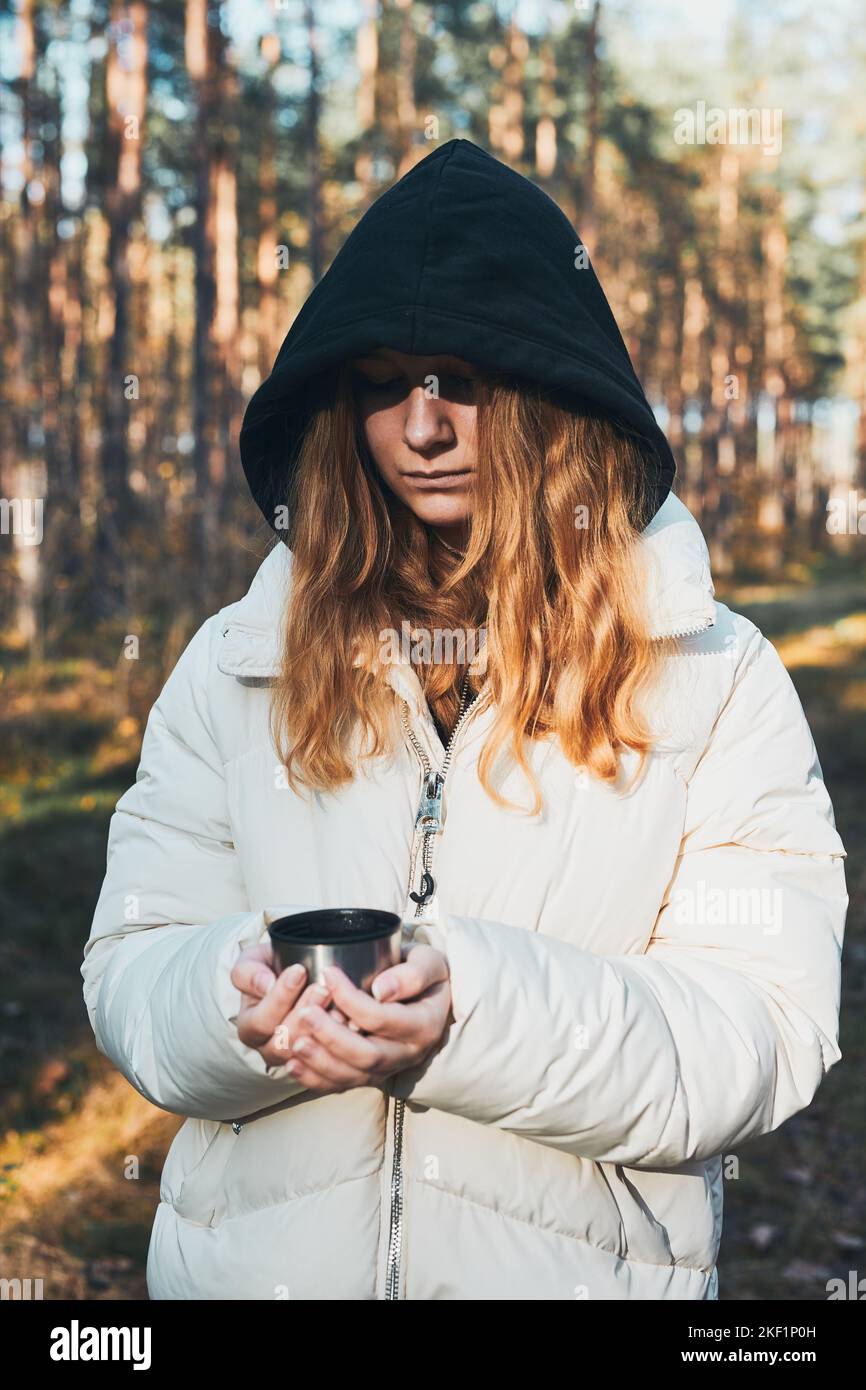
81,1151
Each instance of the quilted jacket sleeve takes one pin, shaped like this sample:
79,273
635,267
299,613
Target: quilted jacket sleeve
725,1025
172,918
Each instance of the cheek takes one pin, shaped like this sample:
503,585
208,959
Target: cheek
463,421
382,431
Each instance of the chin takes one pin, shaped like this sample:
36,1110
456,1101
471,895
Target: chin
440,511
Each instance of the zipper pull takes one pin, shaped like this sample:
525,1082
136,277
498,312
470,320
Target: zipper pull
429,817
428,917
428,888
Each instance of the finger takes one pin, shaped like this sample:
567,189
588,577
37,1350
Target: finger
341,1017
327,1075
334,1012
313,1080
286,1030
348,1045
398,1021
301,1070
261,951
253,972
318,993
261,1021
333,1052
422,968
358,1006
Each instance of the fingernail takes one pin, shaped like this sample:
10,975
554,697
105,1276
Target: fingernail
383,989
294,973
321,991
262,981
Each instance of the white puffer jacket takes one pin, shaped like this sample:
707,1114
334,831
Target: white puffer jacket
640,982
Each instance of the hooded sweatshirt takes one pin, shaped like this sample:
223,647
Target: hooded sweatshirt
462,256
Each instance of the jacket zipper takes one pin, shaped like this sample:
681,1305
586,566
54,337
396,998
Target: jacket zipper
687,631
428,820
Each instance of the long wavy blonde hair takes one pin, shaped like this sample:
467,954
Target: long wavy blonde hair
550,573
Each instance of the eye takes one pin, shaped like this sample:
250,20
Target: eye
454,381
367,383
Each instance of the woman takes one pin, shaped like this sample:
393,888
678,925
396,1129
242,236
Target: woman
622,934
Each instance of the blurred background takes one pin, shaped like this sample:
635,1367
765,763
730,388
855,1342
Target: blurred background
174,179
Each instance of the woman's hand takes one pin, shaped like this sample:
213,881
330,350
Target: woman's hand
330,1056
271,1005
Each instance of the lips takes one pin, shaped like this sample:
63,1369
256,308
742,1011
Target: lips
435,481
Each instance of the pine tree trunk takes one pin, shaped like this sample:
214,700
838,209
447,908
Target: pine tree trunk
545,130
314,196
203,48
126,95
267,270
367,58
26,497
588,226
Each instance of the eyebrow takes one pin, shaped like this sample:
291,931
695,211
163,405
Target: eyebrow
447,362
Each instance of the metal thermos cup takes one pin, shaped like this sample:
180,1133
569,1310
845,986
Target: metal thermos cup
362,941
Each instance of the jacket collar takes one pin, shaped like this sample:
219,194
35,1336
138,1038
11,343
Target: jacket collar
679,595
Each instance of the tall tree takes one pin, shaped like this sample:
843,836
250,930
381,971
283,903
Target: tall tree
506,127
367,60
589,226
314,154
204,49
28,476
267,270
126,98
545,128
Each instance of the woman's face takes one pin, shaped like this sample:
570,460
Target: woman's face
418,415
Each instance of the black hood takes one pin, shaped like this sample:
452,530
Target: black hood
463,256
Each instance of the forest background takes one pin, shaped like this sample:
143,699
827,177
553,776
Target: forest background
174,178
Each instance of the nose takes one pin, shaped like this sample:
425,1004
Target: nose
426,424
